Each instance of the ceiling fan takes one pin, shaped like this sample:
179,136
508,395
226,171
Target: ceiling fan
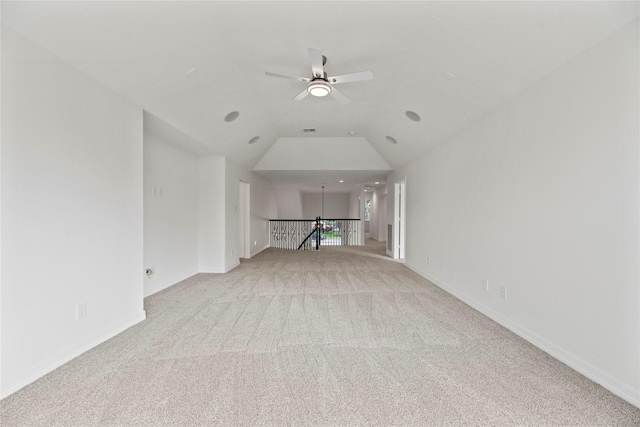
321,85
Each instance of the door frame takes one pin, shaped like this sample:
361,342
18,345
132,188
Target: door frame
399,218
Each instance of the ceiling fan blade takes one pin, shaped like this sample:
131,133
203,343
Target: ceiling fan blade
339,96
301,95
286,76
353,77
315,58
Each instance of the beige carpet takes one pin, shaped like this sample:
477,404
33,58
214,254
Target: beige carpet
344,336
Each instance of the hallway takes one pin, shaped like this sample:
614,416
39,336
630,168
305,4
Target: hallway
340,336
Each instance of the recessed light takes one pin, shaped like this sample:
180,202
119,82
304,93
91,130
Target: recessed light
412,115
254,140
391,139
376,183
231,116
351,132
341,181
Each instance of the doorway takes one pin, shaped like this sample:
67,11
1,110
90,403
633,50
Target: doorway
399,219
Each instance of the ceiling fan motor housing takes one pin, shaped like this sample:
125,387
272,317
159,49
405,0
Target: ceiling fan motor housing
320,84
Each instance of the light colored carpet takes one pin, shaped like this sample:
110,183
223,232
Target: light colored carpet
343,336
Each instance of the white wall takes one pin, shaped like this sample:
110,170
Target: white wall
289,202
232,201
263,207
391,191
170,212
294,153
356,210
219,189
244,218
211,215
335,205
72,213
541,196
378,214
356,204
381,213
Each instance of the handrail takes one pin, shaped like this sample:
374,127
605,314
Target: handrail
321,219
298,233
292,220
307,238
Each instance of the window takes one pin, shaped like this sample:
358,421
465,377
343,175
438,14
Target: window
367,210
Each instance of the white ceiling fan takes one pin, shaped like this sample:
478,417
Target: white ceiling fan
321,85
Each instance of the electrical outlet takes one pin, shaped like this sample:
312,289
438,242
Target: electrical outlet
428,260
81,311
486,285
503,292
232,252
255,243
150,271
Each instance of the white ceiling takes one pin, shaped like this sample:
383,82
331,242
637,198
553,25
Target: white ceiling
450,62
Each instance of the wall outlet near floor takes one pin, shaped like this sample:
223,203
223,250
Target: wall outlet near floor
81,311
503,292
428,260
150,271
486,285
255,243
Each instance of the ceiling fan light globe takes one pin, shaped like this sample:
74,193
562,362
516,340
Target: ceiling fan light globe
319,88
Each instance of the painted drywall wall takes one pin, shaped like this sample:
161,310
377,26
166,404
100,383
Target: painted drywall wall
289,201
335,205
322,153
232,201
263,208
170,212
355,204
219,190
391,191
541,197
379,220
378,213
72,212
211,214
244,217
356,210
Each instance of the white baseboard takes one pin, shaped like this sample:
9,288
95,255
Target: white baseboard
150,290
232,266
257,252
57,360
593,373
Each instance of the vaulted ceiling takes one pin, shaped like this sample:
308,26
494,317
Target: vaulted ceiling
192,63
